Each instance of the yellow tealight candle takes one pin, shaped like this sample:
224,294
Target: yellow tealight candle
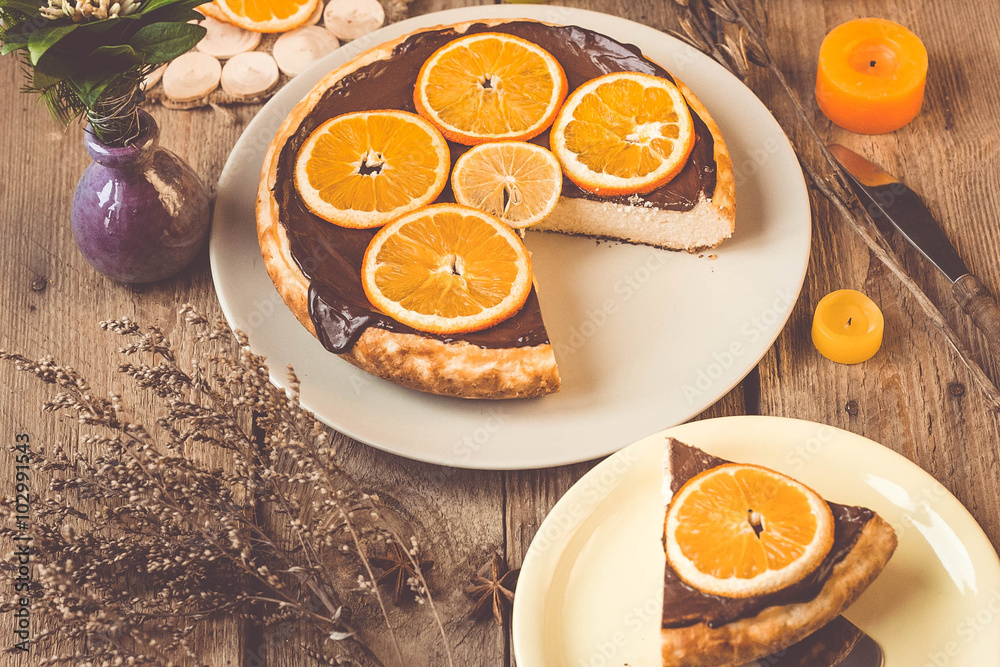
847,327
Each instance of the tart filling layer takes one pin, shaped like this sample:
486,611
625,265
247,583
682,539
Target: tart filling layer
684,606
330,256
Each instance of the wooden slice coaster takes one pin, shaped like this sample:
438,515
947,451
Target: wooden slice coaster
295,51
350,19
249,75
224,40
192,76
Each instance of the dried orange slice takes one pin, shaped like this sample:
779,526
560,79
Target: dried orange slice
447,269
515,181
363,169
742,530
266,15
489,87
623,133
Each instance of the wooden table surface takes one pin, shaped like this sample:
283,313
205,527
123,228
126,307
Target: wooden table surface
913,397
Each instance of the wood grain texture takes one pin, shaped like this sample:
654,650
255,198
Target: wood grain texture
913,397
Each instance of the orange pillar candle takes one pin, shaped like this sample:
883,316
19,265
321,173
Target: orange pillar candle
847,327
871,76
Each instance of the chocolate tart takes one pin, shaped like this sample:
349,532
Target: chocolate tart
703,630
315,265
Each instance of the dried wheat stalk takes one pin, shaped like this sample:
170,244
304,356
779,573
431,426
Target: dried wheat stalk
174,542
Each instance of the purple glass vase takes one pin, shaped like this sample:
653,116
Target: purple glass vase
140,213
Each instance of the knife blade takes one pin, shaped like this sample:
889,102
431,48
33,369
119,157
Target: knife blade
883,195
839,643
866,653
886,198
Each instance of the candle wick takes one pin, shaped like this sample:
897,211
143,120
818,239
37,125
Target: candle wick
849,320
872,63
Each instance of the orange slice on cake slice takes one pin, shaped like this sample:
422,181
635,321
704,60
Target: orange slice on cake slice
363,169
623,133
742,530
447,269
490,87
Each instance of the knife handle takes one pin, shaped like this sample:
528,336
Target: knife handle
979,304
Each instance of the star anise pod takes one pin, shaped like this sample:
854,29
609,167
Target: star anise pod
397,569
492,590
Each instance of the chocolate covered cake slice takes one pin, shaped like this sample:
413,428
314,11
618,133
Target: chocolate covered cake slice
705,630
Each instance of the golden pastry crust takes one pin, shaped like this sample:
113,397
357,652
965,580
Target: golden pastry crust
418,362
776,628
723,200
415,361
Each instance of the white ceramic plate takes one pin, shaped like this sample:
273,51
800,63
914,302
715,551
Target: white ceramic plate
644,338
590,589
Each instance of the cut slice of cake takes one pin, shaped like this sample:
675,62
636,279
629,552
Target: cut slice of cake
695,211
702,629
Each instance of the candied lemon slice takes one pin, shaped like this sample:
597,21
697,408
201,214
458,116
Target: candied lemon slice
515,181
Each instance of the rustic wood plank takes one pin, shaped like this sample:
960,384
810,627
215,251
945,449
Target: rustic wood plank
457,517
531,494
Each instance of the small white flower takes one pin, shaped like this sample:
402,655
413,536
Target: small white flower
85,10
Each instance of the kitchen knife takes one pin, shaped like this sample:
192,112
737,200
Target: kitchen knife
884,196
839,643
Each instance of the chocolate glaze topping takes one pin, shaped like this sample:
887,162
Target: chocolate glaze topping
330,256
684,605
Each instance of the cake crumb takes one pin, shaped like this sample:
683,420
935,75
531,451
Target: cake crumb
713,257
701,255
638,200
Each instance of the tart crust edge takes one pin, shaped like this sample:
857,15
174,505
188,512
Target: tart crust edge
776,628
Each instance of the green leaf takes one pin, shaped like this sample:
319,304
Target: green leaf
15,33
59,64
171,14
153,5
42,40
107,25
118,51
162,42
12,45
40,80
28,7
90,86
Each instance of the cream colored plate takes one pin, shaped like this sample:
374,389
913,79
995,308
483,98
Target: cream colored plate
590,590
644,338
